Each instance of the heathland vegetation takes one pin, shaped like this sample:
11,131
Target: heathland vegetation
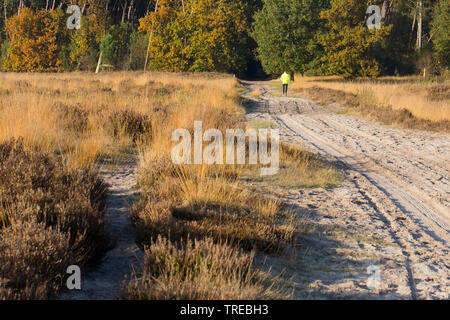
307,37
199,225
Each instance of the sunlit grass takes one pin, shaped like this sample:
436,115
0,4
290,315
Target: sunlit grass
398,92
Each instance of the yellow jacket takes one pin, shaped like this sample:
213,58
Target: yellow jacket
285,78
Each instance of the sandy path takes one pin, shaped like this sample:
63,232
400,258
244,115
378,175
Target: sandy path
393,210
104,281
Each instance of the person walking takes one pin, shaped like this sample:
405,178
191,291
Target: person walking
285,80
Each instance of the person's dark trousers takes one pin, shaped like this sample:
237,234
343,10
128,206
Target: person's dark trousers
285,88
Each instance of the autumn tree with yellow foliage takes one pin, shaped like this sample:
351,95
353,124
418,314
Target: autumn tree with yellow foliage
198,35
349,44
35,40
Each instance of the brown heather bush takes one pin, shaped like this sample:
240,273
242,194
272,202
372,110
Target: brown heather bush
22,84
51,217
327,96
131,123
33,260
198,270
438,93
73,117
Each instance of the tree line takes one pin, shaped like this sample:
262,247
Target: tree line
314,37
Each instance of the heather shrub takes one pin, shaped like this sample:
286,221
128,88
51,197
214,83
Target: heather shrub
53,212
74,117
198,270
33,260
130,123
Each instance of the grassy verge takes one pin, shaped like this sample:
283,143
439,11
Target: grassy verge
362,104
299,168
405,103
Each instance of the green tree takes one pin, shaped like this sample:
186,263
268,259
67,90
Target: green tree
138,47
349,44
285,31
107,49
441,32
397,53
114,46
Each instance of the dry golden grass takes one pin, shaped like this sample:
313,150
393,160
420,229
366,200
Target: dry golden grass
197,202
29,105
397,92
201,202
299,168
85,118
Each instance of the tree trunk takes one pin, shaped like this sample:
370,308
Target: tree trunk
148,49
99,63
6,17
129,10
386,11
148,7
124,8
150,39
419,26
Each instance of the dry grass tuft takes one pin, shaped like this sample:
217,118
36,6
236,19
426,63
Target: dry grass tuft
194,203
198,270
299,168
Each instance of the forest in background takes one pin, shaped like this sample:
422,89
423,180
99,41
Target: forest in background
312,37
